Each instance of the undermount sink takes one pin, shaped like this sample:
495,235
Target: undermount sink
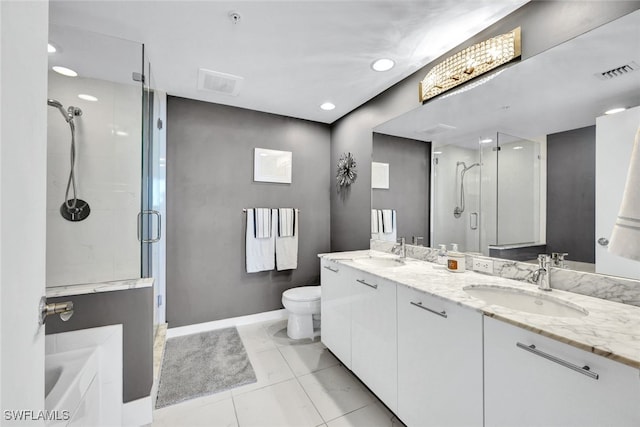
527,301
379,262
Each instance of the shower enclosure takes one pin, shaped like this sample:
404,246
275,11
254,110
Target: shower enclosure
100,154
482,192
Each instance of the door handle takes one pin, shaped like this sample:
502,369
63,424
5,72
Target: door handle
473,220
584,370
439,313
158,228
371,285
335,270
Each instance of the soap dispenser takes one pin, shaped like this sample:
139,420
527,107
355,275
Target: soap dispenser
442,255
455,260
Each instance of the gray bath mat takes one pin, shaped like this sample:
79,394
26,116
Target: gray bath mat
201,364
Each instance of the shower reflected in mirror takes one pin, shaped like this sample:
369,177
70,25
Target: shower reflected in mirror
459,209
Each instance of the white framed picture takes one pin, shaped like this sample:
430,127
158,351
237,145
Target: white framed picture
380,175
272,166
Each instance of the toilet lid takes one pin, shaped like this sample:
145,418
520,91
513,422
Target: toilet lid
303,293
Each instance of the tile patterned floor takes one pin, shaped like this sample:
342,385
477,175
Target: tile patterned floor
300,383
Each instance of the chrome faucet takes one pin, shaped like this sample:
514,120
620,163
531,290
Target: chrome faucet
541,275
416,240
558,259
403,250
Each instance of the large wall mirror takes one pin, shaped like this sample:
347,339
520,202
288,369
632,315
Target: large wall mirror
522,161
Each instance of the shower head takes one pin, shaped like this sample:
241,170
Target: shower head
57,104
54,103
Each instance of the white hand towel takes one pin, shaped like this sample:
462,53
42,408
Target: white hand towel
387,221
287,247
378,221
260,252
262,220
391,236
374,221
286,222
625,239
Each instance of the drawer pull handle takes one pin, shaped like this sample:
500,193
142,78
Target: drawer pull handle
335,270
368,284
439,313
585,370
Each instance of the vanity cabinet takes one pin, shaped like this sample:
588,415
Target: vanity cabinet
531,380
439,361
373,336
335,310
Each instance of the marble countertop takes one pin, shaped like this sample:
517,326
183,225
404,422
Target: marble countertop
94,288
610,329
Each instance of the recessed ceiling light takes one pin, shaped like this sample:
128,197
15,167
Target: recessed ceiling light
615,110
383,64
486,141
327,106
51,48
64,71
87,97
518,147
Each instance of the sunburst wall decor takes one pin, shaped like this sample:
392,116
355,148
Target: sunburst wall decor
347,173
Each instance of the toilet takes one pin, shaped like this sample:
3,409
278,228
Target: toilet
303,305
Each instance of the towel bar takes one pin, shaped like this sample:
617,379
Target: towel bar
245,210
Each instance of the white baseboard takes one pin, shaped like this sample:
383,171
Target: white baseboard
137,412
226,323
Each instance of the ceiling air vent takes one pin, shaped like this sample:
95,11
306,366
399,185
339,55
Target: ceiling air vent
437,129
618,71
222,83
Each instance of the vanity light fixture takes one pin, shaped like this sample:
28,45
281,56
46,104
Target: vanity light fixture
87,97
486,141
470,63
518,147
51,48
327,106
383,64
64,71
615,110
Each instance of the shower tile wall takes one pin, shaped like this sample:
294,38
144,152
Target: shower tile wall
104,246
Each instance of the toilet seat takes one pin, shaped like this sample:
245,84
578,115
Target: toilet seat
303,294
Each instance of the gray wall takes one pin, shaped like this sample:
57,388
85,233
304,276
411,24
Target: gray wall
544,24
209,181
571,193
409,177
133,309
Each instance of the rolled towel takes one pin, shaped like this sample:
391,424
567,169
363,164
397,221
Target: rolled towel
625,239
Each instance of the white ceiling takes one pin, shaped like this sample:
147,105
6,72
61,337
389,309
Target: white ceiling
293,55
554,91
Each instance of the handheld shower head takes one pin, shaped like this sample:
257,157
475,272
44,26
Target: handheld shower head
54,103
57,104
472,166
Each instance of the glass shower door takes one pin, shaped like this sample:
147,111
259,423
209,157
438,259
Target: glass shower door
153,192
